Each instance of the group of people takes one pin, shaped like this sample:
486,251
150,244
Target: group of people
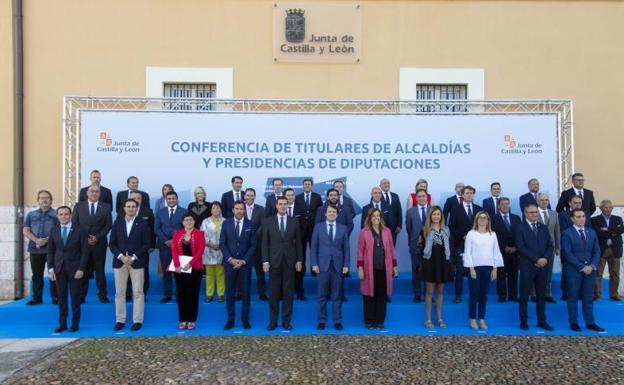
225,240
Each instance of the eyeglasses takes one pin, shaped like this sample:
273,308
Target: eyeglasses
531,212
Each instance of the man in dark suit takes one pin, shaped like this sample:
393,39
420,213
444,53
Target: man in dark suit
281,257
582,255
609,229
133,185
454,201
269,206
415,219
67,260
168,220
532,196
255,213
129,243
344,215
95,217
306,205
377,202
95,178
343,199
146,214
589,202
229,197
462,218
565,222
238,245
329,256
394,203
490,205
504,224
535,252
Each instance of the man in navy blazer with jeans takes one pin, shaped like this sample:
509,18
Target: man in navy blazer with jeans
329,256
168,220
582,254
238,245
535,252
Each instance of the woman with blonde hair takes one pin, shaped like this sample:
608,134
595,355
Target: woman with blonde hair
377,264
213,256
436,267
421,184
482,256
199,209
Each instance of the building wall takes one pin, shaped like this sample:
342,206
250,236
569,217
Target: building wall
528,50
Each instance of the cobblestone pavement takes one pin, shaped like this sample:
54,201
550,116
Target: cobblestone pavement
332,360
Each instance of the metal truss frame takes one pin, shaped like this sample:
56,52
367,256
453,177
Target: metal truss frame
72,106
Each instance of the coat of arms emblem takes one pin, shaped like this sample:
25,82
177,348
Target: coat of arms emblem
295,25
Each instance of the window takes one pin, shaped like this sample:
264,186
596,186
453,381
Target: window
190,90
441,92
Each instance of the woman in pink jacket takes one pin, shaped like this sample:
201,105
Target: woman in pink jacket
377,264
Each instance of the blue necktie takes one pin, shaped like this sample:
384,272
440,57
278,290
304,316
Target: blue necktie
535,228
92,209
507,224
470,211
237,229
423,216
582,235
282,227
307,200
64,235
171,216
331,231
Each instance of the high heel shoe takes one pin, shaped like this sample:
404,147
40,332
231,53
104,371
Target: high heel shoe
182,325
483,325
429,324
473,324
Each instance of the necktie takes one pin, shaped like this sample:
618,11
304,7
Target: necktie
376,205
545,217
64,235
282,226
237,228
387,198
470,211
289,211
170,214
507,224
237,196
92,209
331,231
582,235
535,228
461,200
581,193
535,196
307,200
495,205
423,216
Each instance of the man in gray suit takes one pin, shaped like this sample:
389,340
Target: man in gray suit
549,218
415,219
281,256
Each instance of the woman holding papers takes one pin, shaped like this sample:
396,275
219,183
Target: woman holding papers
187,248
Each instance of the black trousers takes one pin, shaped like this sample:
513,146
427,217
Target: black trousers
507,276
37,265
282,285
95,265
260,278
417,281
306,238
65,281
187,289
375,306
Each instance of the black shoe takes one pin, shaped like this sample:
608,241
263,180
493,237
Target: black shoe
343,299
238,297
263,297
501,299
369,326
595,328
514,299
301,297
221,298
524,326
60,328
287,326
118,326
338,326
545,326
550,300
136,326
416,299
208,299
228,325
457,300
73,328
54,301
246,325
33,302
320,326
82,301
105,300
575,327
533,298
564,297
271,327
165,299
388,300
381,326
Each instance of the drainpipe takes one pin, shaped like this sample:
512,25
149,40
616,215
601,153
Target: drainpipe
18,123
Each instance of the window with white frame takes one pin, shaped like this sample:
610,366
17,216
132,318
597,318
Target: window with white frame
441,93
190,90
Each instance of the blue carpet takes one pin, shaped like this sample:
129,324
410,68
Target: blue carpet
404,317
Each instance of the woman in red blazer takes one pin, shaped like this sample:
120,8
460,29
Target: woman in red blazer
188,241
377,264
